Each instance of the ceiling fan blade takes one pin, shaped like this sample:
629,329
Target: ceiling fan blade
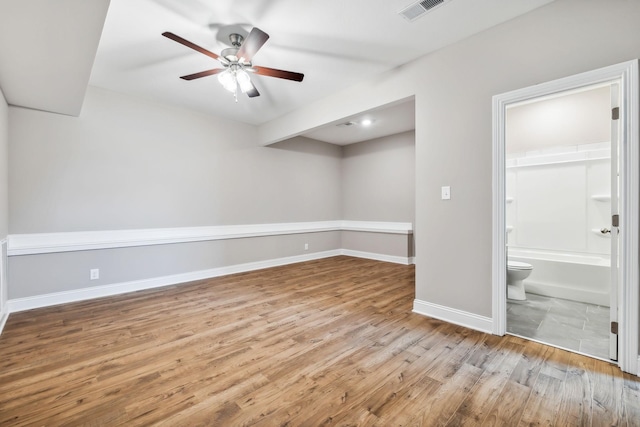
281,74
252,44
253,92
202,74
187,43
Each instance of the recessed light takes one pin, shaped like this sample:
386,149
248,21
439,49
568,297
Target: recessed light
366,122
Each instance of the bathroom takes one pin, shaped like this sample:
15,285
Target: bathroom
558,217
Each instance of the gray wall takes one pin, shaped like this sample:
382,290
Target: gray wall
127,164
131,164
453,89
454,144
4,199
378,179
33,275
4,167
396,245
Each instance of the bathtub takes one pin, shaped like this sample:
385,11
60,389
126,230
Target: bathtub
576,277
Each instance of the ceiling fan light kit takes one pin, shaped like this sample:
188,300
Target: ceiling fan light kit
235,77
237,64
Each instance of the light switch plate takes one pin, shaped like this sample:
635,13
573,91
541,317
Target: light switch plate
446,193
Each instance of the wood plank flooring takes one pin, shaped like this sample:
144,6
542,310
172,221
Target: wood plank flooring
328,342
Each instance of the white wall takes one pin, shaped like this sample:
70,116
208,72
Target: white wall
558,171
556,202
569,119
4,167
453,89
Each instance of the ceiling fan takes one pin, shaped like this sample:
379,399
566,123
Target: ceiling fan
236,62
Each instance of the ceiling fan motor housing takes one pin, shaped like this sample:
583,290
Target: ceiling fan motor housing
236,40
230,53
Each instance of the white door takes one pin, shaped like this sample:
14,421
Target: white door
615,176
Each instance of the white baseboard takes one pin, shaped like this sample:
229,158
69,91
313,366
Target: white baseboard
3,320
46,300
451,315
4,308
574,294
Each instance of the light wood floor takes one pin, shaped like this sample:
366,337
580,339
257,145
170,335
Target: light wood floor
329,342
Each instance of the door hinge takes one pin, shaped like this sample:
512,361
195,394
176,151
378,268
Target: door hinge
615,220
614,328
615,113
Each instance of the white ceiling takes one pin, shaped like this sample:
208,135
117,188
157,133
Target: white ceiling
47,50
566,119
386,120
335,43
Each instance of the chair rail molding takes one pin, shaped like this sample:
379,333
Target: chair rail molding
42,243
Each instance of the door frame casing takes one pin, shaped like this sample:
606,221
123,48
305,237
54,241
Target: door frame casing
628,291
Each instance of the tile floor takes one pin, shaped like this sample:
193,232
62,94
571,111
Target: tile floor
568,324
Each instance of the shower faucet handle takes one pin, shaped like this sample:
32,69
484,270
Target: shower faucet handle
605,230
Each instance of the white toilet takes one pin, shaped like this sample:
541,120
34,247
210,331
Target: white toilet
516,273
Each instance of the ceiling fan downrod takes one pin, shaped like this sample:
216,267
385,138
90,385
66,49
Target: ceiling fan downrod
236,40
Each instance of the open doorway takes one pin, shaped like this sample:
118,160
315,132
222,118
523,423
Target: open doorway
624,286
561,173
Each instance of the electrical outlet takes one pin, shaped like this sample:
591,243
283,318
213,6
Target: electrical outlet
94,274
306,246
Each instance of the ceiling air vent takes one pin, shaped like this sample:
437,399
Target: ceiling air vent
416,10
349,123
